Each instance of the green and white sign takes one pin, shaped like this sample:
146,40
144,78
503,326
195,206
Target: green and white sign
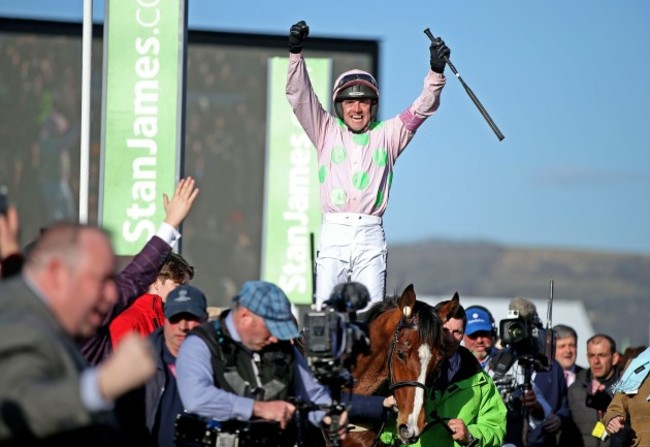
144,53
292,201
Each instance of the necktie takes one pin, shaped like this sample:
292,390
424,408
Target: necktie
568,376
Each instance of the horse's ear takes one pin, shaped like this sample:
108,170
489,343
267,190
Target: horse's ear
407,301
449,308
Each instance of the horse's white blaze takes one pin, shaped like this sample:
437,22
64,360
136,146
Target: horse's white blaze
425,357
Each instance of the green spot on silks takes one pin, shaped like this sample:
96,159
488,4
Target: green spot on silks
322,174
380,157
380,198
339,154
361,138
360,180
338,196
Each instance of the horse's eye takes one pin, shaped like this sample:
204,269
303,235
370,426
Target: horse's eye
401,355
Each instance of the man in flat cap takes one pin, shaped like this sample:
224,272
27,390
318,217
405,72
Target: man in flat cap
243,366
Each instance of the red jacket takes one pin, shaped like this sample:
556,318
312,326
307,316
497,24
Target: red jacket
143,316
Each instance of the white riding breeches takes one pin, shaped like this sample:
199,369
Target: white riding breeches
351,247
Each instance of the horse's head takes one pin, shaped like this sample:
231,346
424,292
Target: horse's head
416,351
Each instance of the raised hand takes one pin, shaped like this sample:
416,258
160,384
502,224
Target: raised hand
180,204
297,36
439,54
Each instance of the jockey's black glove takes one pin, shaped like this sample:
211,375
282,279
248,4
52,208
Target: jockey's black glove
297,36
439,54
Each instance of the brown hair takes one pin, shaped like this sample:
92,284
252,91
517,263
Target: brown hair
630,354
600,337
175,268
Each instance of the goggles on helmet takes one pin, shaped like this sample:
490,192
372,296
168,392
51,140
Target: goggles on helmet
362,80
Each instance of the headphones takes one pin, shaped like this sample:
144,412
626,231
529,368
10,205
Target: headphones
468,312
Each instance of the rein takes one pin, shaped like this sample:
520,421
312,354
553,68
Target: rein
394,385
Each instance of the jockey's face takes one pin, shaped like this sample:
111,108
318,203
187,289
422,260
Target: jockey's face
356,113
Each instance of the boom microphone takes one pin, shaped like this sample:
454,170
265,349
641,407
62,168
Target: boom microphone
524,307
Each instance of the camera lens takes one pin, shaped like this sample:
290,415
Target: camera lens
515,331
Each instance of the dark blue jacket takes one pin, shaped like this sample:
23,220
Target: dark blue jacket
553,387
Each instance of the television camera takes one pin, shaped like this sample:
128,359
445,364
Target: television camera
333,337
527,343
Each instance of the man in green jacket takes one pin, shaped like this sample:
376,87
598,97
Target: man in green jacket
464,407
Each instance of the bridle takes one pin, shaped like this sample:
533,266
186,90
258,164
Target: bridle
402,324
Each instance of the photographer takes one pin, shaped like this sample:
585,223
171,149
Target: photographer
531,381
244,367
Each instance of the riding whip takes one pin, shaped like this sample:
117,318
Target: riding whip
471,94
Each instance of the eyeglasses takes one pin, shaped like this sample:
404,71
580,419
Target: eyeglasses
477,334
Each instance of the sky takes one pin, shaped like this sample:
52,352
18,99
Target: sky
566,82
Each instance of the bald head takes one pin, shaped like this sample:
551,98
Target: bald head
61,241
73,267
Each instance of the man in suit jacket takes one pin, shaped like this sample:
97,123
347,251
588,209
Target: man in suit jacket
143,270
48,394
566,352
131,282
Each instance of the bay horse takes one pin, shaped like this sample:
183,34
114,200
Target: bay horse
406,348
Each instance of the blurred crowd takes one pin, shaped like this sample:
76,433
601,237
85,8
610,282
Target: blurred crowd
88,353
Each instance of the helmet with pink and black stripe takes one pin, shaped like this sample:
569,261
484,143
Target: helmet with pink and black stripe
355,84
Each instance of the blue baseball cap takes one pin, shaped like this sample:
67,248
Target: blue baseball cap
478,319
186,299
269,302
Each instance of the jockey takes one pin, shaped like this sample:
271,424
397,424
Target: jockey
356,155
